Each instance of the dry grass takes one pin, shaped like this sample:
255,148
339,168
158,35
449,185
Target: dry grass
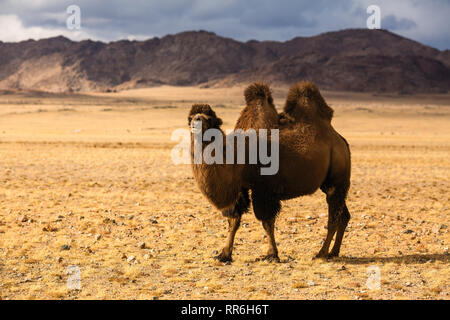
93,175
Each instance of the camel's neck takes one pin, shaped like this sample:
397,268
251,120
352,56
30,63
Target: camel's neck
219,182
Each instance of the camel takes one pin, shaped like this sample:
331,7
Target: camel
312,155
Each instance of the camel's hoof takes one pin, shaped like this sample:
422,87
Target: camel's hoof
333,255
222,257
321,255
271,258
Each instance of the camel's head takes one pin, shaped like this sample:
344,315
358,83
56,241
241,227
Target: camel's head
304,99
205,115
258,91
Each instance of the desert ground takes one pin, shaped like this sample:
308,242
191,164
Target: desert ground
87,182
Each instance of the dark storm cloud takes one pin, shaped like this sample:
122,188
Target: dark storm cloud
241,20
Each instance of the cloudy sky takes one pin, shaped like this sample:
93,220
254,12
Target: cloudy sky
427,21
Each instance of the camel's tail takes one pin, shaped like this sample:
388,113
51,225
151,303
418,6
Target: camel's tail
258,91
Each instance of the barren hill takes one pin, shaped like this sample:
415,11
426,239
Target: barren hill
352,60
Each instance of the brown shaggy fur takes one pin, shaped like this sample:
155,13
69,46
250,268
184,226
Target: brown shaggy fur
312,155
207,111
305,102
256,91
259,112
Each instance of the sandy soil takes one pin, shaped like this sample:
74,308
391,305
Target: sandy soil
88,181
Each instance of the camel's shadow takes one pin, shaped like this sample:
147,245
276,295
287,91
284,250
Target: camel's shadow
404,259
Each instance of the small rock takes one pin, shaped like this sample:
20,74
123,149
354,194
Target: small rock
24,219
310,283
65,247
437,228
98,237
131,258
142,245
49,228
408,231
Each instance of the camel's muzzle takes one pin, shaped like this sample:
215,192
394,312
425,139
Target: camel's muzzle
196,126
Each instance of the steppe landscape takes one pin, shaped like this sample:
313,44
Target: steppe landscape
87,180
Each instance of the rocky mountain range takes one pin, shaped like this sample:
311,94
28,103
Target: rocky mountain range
348,60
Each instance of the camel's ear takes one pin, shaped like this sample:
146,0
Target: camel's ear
215,122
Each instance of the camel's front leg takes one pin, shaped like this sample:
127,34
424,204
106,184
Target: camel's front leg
233,223
266,208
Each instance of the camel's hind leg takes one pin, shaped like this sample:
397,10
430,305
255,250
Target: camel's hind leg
234,221
338,217
266,209
343,220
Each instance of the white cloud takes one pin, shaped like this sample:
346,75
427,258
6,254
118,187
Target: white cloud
12,30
